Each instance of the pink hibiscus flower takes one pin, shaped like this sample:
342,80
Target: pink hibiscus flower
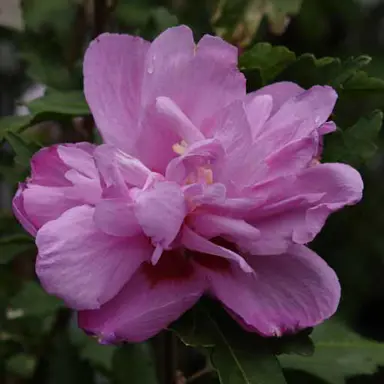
199,189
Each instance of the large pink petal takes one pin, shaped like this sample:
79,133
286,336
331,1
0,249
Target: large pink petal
144,307
287,292
82,265
210,76
117,217
113,76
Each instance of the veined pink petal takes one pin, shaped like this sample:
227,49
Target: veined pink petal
82,265
218,50
258,110
287,292
143,307
119,170
280,92
117,217
160,211
178,121
113,76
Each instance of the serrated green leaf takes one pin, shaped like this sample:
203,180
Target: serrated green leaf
134,363
357,144
13,245
238,357
339,353
268,60
34,301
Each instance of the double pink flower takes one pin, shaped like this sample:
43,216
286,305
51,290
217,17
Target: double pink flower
199,189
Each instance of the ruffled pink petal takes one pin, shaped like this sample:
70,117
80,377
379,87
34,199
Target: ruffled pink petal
211,226
194,242
48,169
280,92
19,211
287,292
42,204
117,217
82,265
119,171
114,67
315,104
160,211
145,306
78,159
298,208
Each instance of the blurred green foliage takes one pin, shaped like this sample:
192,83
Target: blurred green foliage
309,42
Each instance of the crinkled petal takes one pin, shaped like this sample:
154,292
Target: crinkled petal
211,226
287,293
119,171
143,307
42,204
160,211
194,242
218,50
113,77
298,208
82,265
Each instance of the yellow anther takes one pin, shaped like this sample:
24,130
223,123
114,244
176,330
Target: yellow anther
180,148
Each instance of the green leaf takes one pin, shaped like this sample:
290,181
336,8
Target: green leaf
13,123
134,363
238,357
22,365
98,354
70,103
54,105
357,144
24,150
13,245
34,301
268,60
339,353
